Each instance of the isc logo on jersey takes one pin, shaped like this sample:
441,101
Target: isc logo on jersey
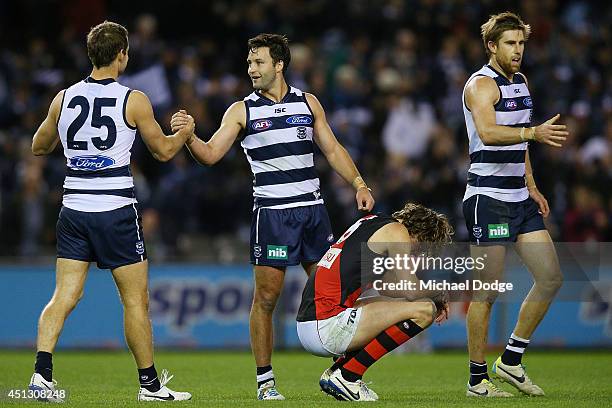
262,124
91,162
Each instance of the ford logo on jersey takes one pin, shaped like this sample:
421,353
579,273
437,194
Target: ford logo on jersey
299,120
511,104
91,162
262,124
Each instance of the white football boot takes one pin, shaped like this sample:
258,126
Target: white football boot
344,390
517,377
325,376
486,389
39,385
164,393
268,391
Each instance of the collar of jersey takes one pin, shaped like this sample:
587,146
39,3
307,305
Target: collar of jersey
104,81
500,74
270,101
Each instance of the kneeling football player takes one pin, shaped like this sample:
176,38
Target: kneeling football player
333,322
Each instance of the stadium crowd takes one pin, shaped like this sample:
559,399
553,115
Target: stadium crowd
389,74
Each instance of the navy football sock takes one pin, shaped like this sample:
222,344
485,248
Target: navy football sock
44,365
514,350
478,372
264,374
148,378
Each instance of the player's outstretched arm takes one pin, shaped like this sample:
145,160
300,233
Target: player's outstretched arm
139,113
481,94
209,153
337,156
46,137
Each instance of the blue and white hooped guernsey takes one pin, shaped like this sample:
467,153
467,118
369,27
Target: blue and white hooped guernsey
97,141
499,171
278,143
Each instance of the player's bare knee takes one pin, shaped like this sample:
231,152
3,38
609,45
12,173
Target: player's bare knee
138,301
431,311
485,298
265,300
556,282
550,285
66,301
424,314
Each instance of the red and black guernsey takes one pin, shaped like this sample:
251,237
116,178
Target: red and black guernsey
337,282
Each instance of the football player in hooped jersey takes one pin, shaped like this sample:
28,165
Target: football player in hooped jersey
277,125
96,121
333,321
502,202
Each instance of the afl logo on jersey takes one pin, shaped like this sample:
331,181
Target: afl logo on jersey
527,102
299,120
511,104
262,124
91,162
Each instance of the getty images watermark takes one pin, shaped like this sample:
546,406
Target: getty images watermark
408,266
507,271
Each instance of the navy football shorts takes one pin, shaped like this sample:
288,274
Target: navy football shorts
493,221
290,236
109,238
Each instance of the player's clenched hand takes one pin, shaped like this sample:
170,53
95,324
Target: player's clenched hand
551,134
440,300
187,128
535,194
365,201
442,312
179,120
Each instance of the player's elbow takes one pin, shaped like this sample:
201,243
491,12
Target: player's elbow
333,152
212,161
39,150
206,156
161,156
204,161
486,136
166,154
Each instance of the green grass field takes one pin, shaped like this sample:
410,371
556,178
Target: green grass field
224,379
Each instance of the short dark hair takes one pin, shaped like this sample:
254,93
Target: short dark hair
105,41
425,224
278,45
494,28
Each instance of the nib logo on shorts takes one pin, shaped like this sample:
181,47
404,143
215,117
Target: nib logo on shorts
498,231
277,252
